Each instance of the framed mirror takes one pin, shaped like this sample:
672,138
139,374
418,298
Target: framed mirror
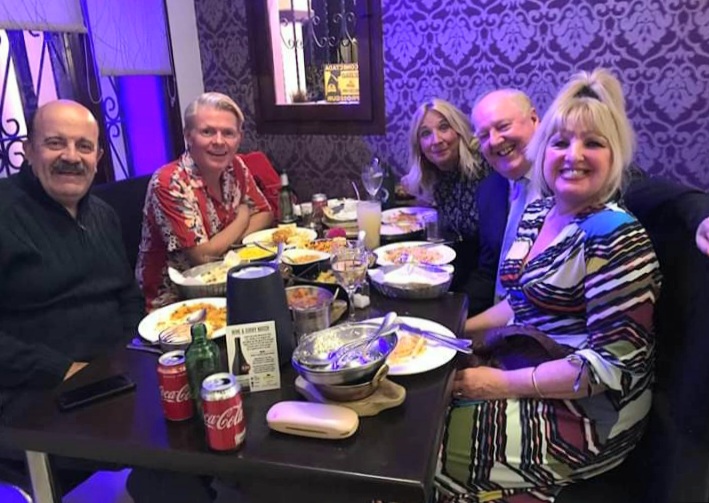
317,65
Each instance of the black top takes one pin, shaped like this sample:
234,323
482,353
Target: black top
455,196
66,291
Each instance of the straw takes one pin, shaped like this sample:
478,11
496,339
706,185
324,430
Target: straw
354,186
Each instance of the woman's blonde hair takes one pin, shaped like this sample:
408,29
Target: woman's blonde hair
213,100
595,102
422,172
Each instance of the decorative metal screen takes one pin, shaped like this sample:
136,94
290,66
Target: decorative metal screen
315,53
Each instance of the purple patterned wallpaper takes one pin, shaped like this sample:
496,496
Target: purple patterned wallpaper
459,49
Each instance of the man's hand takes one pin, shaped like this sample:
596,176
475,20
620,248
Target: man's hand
75,367
702,236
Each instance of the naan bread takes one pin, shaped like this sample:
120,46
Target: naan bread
408,346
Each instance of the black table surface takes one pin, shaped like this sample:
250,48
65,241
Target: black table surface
391,457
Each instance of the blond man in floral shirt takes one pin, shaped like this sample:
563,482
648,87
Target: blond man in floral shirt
200,204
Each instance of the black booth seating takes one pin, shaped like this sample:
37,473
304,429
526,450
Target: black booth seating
127,197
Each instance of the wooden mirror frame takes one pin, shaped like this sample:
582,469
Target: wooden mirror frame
365,118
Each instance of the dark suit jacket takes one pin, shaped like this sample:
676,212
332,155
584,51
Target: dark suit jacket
493,205
643,196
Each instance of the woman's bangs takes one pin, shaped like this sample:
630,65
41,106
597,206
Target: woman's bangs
584,116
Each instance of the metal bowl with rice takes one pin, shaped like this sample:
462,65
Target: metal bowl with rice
311,356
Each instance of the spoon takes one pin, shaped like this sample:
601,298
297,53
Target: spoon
196,317
388,325
361,235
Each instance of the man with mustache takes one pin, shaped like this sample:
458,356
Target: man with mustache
504,121
67,293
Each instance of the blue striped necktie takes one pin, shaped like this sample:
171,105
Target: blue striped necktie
518,200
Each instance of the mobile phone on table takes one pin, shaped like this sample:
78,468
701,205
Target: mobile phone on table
94,391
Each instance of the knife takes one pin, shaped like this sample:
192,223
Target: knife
139,344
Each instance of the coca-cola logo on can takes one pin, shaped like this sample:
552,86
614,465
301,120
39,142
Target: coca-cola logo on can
230,418
175,395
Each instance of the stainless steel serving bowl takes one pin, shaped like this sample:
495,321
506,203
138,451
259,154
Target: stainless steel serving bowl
360,369
198,291
352,392
412,291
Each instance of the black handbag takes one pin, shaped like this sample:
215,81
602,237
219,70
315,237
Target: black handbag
512,347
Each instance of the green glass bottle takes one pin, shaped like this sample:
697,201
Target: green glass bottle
202,359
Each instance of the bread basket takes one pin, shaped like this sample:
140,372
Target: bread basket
191,291
438,282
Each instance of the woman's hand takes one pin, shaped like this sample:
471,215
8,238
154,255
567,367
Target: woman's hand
554,379
484,383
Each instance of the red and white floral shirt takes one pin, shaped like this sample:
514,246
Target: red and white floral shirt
179,213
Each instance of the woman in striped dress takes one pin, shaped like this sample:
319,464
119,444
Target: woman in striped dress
583,271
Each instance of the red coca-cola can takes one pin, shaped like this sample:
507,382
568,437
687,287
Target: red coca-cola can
223,412
177,404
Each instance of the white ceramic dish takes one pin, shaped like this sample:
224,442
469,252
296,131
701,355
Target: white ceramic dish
433,355
393,224
295,256
437,254
265,236
154,323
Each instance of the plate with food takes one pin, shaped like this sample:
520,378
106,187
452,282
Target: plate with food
341,210
415,251
327,245
413,354
177,314
286,234
253,252
398,221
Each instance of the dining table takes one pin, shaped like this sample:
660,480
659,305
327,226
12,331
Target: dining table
391,457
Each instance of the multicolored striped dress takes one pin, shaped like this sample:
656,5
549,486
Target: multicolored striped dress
594,289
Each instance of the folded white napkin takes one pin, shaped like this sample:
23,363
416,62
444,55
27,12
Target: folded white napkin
179,279
409,274
231,259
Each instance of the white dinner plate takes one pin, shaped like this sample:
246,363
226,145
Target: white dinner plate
394,225
433,355
341,210
154,323
266,236
437,255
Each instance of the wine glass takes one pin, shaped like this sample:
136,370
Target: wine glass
373,177
349,265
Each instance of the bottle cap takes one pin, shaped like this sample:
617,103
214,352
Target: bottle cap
284,178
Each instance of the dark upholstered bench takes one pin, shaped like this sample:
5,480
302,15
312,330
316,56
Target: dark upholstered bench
127,197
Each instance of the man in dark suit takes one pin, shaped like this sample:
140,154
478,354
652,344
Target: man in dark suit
504,121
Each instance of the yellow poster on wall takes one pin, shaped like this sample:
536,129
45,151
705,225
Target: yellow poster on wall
342,82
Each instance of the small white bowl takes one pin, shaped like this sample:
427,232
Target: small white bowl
303,260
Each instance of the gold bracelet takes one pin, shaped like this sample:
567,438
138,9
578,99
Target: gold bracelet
534,382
